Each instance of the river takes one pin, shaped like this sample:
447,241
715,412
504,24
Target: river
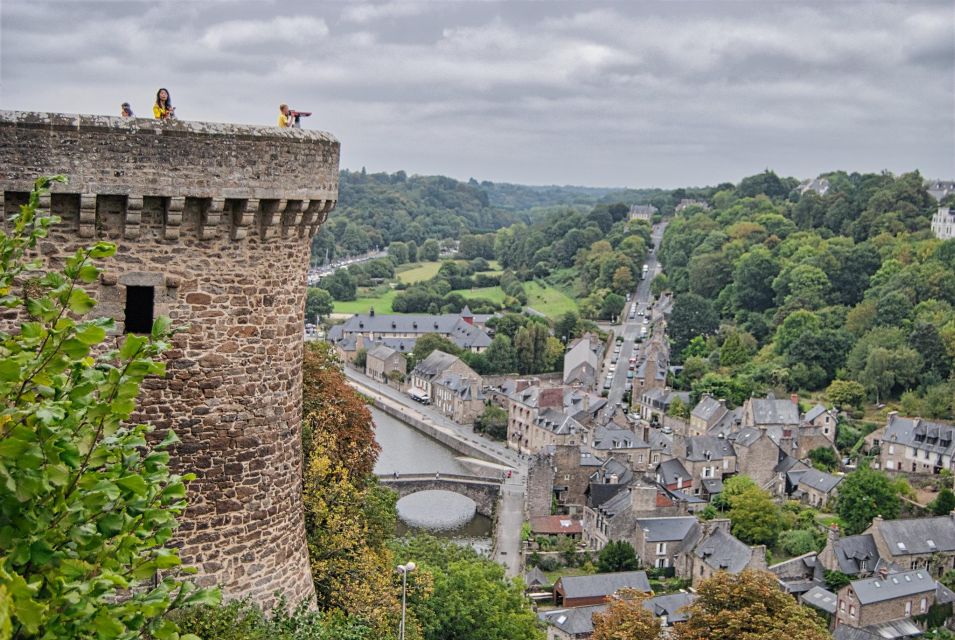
440,513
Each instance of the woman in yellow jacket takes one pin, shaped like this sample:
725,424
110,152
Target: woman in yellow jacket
163,109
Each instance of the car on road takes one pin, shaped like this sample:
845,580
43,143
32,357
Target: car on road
630,374
646,320
611,368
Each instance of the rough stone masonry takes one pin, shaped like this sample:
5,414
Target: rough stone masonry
213,225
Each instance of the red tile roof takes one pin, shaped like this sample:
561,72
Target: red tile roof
554,525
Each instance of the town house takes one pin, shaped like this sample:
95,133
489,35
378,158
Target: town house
429,369
872,603
381,361
718,550
458,396
667,542
914,445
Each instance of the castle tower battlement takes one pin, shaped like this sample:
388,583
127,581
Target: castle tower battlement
213,226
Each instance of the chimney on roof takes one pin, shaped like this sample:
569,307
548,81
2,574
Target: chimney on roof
795,398
520,385
883,572
832,533
552,397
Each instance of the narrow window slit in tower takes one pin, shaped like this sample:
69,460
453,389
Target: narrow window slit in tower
139,309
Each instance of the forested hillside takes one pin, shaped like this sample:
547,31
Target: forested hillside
848,292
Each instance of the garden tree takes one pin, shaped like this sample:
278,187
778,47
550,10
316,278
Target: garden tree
765,183
492,422
318,302
500,355
553,354
88,504
330,406
709,273
747,606
627,619
737,348
565,327
530,343
623,281
927,342
350,572
398,252
429,251
617,555
470,599
692,316
245,620
864,494
429,342
887,370
753,278
659,284
361,358
755,517
835,580
796,542
944,502
846,394
612,306
824,458
679,409
341,285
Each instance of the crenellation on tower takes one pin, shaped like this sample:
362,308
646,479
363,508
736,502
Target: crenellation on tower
213,226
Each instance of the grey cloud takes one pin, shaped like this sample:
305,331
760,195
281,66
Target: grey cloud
599,92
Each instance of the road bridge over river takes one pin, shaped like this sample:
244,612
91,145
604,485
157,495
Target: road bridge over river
484,492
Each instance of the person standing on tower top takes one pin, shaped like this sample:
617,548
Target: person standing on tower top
163,109
285,117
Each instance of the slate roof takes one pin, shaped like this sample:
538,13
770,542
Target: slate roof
609,438
580,362
459,385
895,585
670,606
747,436
672,470
845,632
451,325
535,578
712,486
600,494
708,447
934,437
919,535
381,352
819,480
770,410
434,364
574,621
610,468
721,550
557,422
603,584
667,529
728,424
852,550
789,463
820,598
814,413
707,408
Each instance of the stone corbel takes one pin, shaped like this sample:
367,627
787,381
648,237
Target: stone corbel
315,212
267,226
213,218
291,215
243,214
134,216
174,217
87,226
329,206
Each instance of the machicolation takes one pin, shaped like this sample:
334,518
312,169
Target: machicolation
213,225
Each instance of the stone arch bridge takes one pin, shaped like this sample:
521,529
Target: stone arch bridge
483,491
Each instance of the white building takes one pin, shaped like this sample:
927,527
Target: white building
943,224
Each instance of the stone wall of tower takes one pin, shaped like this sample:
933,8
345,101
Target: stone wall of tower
217,220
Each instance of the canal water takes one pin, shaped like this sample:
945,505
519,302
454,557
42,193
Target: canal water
441,513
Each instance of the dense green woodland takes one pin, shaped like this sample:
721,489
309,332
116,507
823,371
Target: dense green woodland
848,291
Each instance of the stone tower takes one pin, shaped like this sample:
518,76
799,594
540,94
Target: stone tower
213,225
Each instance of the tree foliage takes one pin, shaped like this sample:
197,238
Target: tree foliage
755,517
492,422
617,555
88,504
748,606
627,619
318,302
864,494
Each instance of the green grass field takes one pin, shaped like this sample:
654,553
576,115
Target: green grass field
495,294
417,272
548,300
381,303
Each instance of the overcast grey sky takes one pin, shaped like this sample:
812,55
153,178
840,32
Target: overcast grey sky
633,93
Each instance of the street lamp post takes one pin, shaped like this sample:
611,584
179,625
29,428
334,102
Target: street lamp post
404,570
